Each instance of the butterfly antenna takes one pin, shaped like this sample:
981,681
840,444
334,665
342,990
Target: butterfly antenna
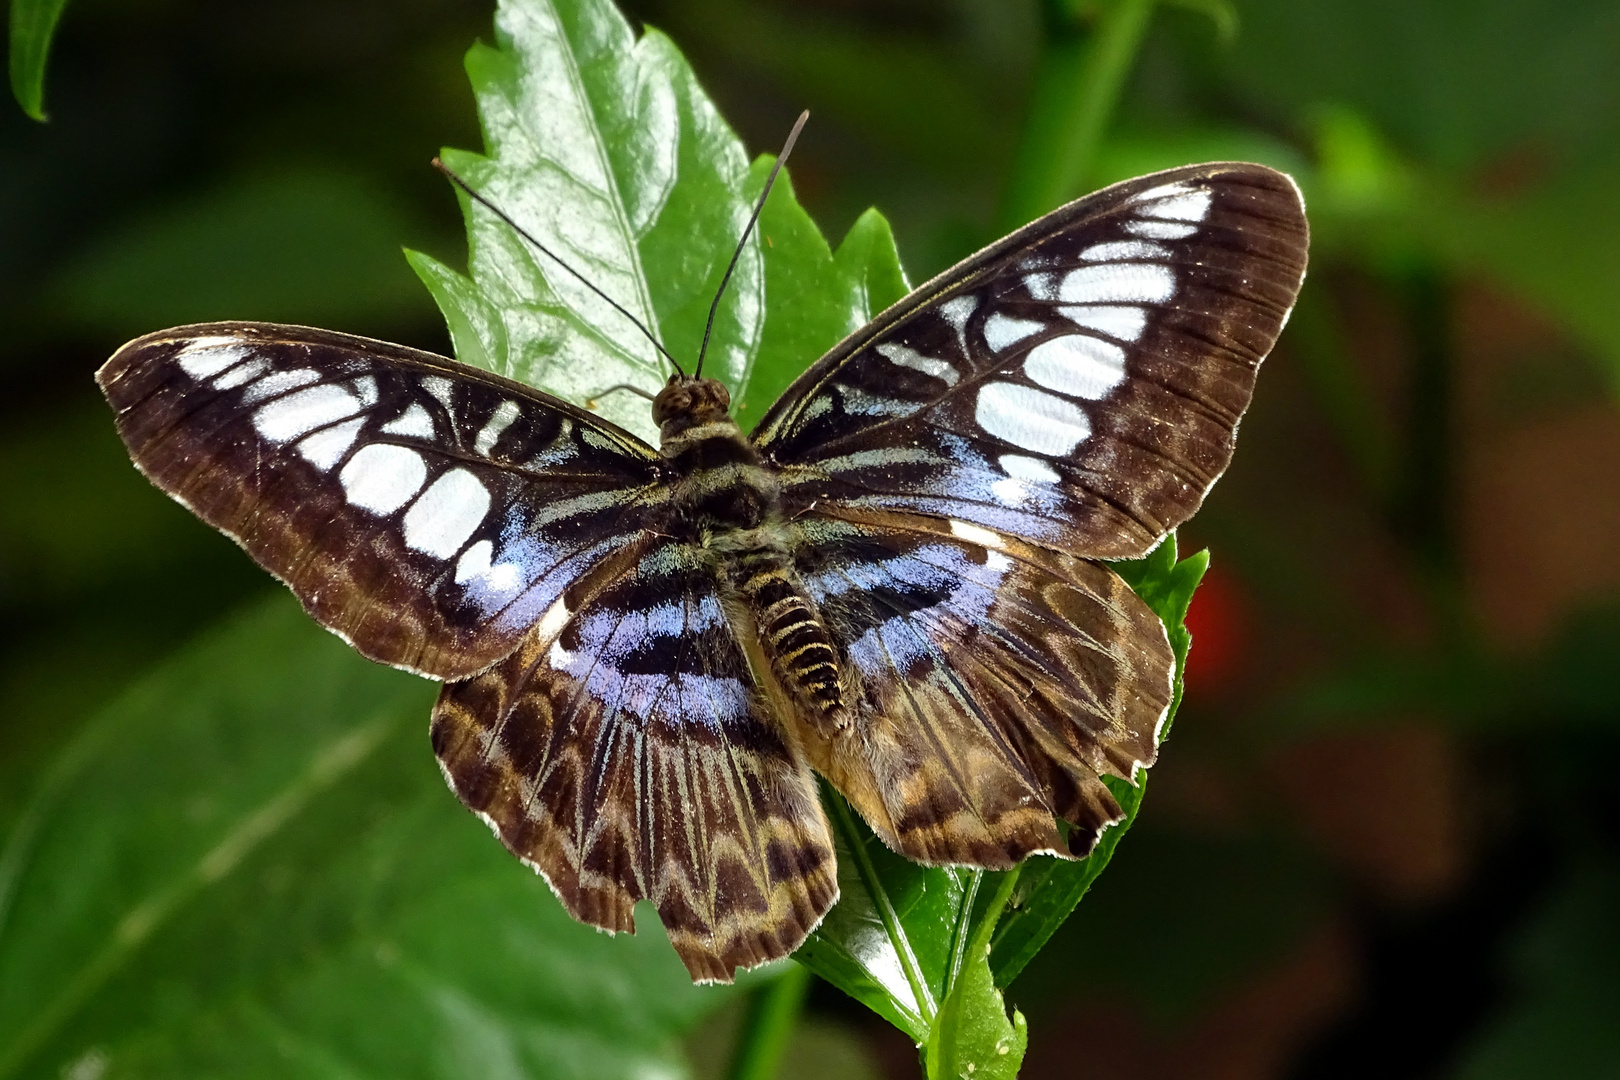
590,402
781,159
560,261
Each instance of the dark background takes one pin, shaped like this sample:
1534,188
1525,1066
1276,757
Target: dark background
1386,838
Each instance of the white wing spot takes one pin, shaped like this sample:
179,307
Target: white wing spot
916,361
555,618
1115,250
1130,283
440,387
557,657
446,514
1041,286
279,382
241,374
286,418
505,413
974,534
502,579
957,310
474,562
1176,202
366,387
1078,365
1030,418
326,448
1163,191
206,357
1124,323
1034,470
414,422
1160,230
1000,330
382,477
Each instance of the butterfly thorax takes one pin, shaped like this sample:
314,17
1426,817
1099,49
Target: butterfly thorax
728,502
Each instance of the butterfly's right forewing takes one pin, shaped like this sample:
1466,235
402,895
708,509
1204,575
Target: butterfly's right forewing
426,512
1077,384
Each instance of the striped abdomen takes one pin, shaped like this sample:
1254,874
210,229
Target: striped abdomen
793,636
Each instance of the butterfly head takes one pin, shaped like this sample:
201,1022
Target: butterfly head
686,402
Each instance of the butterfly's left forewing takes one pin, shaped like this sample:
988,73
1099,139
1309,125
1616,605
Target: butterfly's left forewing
425,511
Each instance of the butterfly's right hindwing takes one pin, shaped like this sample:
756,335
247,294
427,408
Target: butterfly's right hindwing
428,513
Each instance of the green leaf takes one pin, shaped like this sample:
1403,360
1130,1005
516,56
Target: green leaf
887,943
33,24
248,866
983,1044
603,146
973,1036
814,297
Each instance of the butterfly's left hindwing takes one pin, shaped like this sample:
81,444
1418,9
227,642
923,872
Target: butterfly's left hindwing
426,512
624,753
1078,384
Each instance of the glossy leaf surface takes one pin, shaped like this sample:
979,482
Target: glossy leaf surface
602,146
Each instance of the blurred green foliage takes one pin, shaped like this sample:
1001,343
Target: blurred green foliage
267,161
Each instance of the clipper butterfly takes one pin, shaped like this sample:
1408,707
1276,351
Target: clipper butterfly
897,581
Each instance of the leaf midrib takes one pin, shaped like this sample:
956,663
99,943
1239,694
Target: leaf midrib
143,918
576,83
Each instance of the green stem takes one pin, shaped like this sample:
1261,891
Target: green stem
1077,88
942,1060
1342,394
773,1013
964,921
1424,503
926,1007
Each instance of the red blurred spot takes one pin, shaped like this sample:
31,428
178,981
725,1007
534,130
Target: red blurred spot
1219,625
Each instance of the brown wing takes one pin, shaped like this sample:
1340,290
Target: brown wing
1078,384
623,752
994,682
425,511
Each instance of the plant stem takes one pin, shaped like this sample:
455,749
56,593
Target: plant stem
1424,503
1077,87
964,921
1341,393
773,1012
941,1059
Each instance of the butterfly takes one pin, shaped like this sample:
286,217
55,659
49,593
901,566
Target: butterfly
899,580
